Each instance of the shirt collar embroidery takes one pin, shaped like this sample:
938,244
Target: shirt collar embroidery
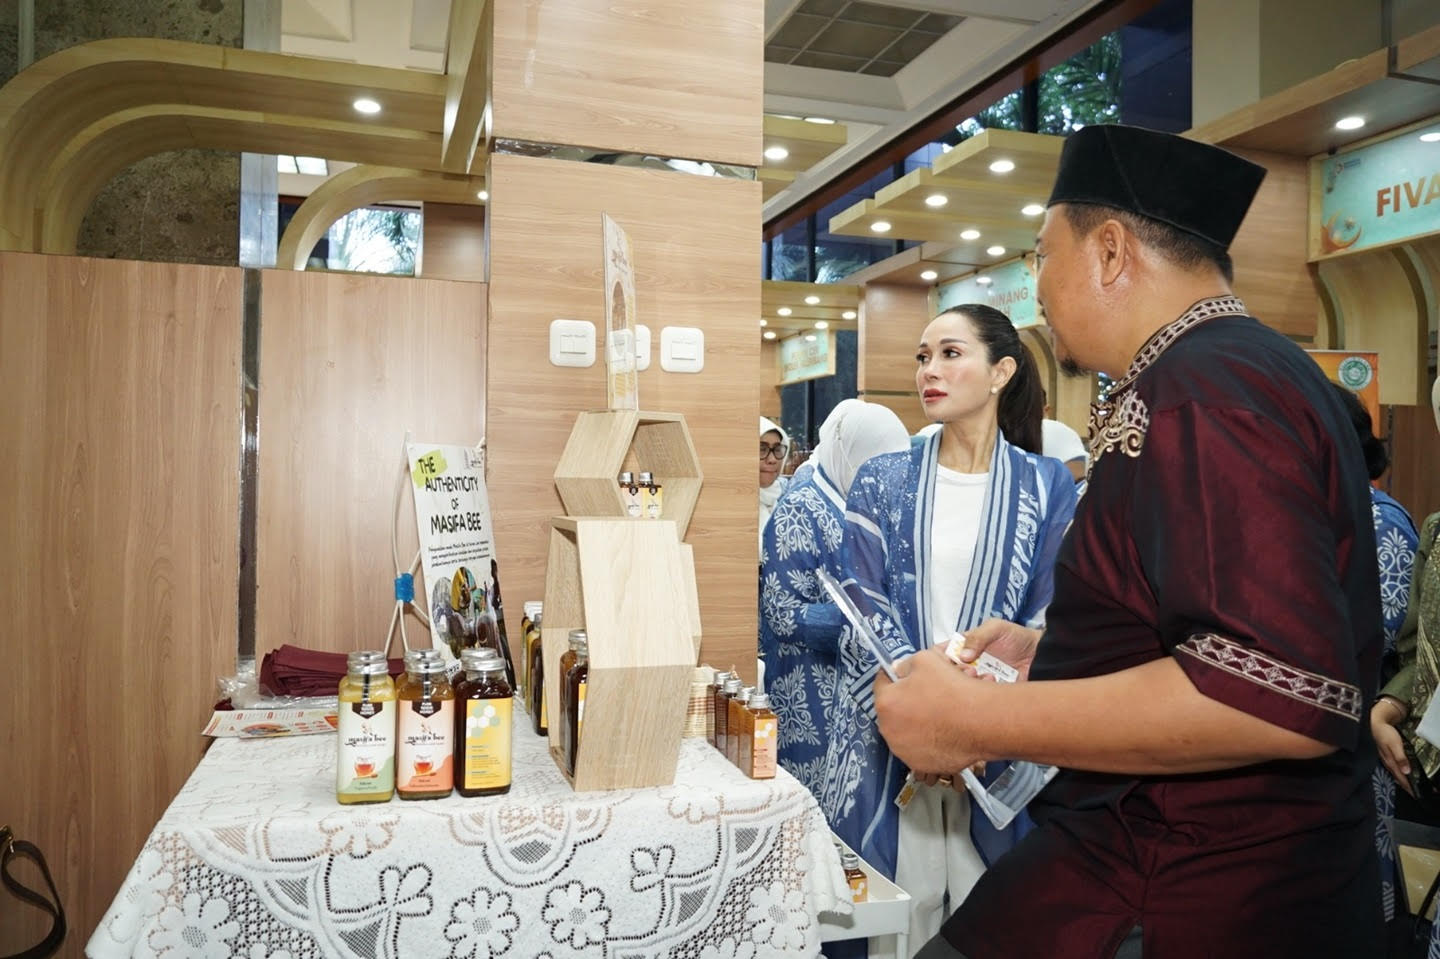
1163,338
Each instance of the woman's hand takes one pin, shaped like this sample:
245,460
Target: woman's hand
1385,715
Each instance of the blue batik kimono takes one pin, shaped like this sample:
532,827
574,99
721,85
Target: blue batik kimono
799,626
1395,542
1029,502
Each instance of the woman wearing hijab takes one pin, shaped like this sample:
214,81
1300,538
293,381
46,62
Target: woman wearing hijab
959,529
799,626
774,448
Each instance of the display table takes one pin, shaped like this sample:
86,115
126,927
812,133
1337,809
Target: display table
255,858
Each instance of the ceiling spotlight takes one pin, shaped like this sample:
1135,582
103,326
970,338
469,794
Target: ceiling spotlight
366,105
483,195
969,234
936,199
809,337
812,300
1430,137
769,334
929,275
823,121
848,315
880,226
764,322
821,325
983,280
1349,123
1002,166
783,311
1032,209
776,153
996,251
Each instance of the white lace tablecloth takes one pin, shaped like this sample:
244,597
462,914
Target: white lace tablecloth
256,859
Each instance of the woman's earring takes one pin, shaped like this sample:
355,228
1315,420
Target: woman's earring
994,389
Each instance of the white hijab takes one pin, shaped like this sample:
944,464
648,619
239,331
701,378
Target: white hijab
854,432
769,495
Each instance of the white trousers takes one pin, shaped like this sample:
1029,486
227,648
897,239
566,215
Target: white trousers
935,856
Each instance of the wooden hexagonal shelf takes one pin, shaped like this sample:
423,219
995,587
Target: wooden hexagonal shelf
607,442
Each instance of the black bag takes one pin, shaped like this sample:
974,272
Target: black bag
10,850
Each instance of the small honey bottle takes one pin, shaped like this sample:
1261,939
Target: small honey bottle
722,715
737,712
425,765
575,668
855,877
483,725
535,695
651,497
365,764
527,623
630,494
716,688
758,752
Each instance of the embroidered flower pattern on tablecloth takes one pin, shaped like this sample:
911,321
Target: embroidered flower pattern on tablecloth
775,912
259,950
576,915
728,949
201,928
359,835
482,925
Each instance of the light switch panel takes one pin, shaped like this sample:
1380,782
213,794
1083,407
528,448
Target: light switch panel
642,346
572,343
682,349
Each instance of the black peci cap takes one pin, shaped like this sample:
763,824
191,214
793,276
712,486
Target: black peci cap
1192,186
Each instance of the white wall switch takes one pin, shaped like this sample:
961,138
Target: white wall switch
572,343
682,349
642,346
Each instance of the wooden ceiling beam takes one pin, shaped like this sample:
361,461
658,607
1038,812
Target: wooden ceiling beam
467,86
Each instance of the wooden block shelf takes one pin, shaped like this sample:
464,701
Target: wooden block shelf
622,581
606,442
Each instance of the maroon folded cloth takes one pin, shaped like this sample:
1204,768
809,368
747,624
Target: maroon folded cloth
296,671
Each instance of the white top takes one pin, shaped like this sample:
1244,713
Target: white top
1061,442
954,531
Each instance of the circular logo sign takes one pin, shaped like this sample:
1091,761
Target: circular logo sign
1355,373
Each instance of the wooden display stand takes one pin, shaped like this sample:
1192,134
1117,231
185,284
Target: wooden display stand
630,584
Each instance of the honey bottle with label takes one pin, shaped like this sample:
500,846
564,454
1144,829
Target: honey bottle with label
535,695
722,714
424,761
759,749
482,725
651,495
717,688
630,494
855,877
575,668
528,622
365,761
734,721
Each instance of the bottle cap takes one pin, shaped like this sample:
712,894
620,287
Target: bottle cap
367,662
745,693
424,662
721,678
627,478
732,686
646,478
759,701
848,860
578,636
531,608
481,659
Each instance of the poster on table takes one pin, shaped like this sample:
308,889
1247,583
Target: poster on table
1008,287
1378,194
1359,373
457,547
622,378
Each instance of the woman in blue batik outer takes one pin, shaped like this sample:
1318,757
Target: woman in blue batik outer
961,528
799,626
1395,541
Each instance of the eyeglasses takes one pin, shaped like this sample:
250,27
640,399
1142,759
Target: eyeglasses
777,451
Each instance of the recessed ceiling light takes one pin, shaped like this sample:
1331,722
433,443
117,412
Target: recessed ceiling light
776,153
821,325
996,251
809,337
812,300
824,121
880,226
983,280
848,315
936,199
929,275
1002,166
1032,209
1349,123
969,234
483,195
769,334
783,311
1430,137
366,105
764,322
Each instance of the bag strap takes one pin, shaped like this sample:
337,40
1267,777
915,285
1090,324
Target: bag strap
10,849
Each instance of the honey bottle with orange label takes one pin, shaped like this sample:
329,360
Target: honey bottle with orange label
365,760
758,751
855,877
424,760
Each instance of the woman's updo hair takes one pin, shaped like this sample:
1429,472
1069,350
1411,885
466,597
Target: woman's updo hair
1377,461
1022,399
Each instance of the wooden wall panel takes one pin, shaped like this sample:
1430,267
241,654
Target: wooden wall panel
892,317
631,77
118,501
1270,251
453,242
697,261
348,363
770,379
1414,477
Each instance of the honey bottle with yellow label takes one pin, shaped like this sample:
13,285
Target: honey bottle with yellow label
758,751
483,725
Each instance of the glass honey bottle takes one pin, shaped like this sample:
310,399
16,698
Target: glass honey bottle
630,494
574,670
722,715
365,762
651,495
424,761
482,725
855,877
735,719
759,745
717,688
535,694
527,623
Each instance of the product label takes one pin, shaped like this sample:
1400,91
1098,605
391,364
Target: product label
763,744
366,760
859,888
653,501
486,756
425,761
630,496
580,711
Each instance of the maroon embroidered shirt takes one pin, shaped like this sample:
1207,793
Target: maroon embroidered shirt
1227,525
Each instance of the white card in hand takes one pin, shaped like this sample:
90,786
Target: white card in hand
984,663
